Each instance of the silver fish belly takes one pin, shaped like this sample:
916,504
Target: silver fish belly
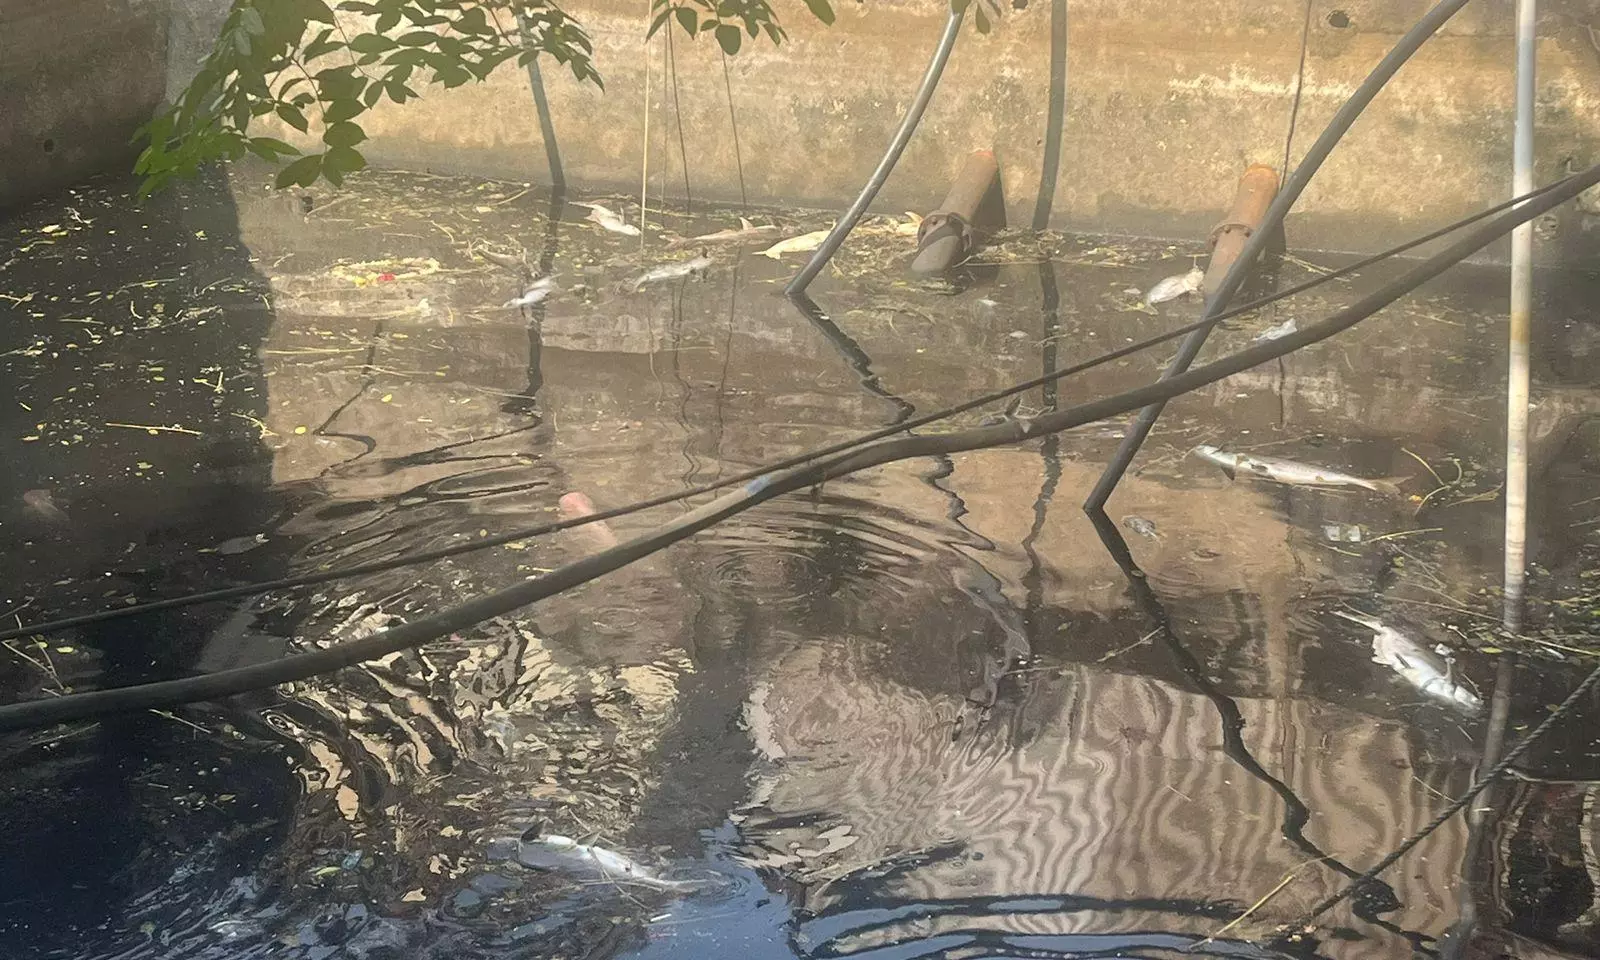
672,271
1417,665
1287,471
1174,287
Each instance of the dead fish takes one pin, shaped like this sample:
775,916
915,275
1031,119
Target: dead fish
538,291
672,271
802,244
1290,471
1142,527
746,232
1180,285
42,504
552,852
609,220
1276,333
1424,669
911,227
519,264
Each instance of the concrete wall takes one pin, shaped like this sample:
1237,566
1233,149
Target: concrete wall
77,77
1165,106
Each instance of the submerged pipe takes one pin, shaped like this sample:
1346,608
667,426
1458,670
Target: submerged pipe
1296,184
945,236
1257,187
1518,375
902,136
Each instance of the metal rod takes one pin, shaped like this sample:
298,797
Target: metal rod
1270,224
547,127
902,136
1516,539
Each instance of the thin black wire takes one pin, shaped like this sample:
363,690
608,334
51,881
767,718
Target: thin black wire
463,616
733,122
1457,805
526,533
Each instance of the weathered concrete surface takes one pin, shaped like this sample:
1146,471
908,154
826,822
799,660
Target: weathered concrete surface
77,77
1164,110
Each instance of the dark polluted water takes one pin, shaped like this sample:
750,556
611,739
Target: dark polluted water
928,710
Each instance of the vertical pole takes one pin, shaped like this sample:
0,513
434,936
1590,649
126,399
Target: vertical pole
1516,542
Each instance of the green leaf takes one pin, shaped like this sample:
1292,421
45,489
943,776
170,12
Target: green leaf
274,146
293,117
730,38
316,10
387,20
371,43
321,45
341,110
344,134
475,21
371,97
250,20
655,24
821,10
980,20
690,20
419,38
302,172
344,160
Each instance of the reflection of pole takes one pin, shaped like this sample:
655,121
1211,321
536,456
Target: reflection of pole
1516,544
902,136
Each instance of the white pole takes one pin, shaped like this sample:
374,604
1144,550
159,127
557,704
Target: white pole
1516,544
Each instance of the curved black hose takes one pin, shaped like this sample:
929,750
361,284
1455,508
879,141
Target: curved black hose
526,533
1270,224
301,666
902,136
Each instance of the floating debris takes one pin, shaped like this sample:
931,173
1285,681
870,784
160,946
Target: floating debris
804,243
672,271
1180,285
1142,527
1337,532
1289,471
42,504
1427,670
609,220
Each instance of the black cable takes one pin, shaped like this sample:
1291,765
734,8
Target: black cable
301,666
526,533
1271,223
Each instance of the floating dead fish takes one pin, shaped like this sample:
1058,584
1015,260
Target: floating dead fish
519,264
1290,471
747,232
1174,287
609,220
1276,333
538,291
804,243
564,854
672,271
911,227
1142,527
42,504
1424,669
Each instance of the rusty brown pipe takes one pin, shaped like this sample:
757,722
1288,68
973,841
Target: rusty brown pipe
945,236
1256,189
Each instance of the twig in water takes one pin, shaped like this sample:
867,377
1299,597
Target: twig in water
148,428
1424,785
1405,533
1241,918
1426,466
168,714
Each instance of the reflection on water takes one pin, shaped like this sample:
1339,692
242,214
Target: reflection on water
923,711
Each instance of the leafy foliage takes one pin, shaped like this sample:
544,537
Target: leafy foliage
299,60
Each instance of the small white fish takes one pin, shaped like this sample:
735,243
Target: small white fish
1142,527
609,220
499,259
1289,471
552,852
1278,332
746,232
42,503
1180,285
1422,668
538,291
672,271
804,243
